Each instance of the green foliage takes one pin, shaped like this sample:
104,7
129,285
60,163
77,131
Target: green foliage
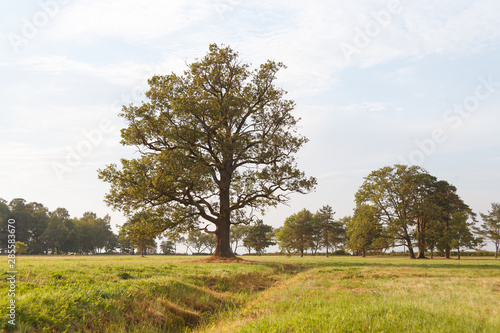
55,232
200,241
461,232
168,247
238,234
141,229
60,236
304,230
491,226
364,232
328,232
21,248
259,236
93,233
414,206
214,141
297,232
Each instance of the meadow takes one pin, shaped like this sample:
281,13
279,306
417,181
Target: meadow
265,294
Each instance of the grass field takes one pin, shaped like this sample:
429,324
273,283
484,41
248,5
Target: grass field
290,294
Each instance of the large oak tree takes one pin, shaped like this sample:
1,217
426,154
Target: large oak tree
214,143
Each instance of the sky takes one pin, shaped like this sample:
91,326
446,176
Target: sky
376,83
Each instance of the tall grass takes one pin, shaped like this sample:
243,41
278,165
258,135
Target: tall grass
292,294
127,293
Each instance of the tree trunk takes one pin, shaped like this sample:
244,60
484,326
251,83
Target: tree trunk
363,253
421,253
497,243
421,238
447,251
222,244
407,238
326,241
410,247
222,234
421,248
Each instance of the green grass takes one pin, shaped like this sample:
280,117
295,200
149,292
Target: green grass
376,295
129,294
310,294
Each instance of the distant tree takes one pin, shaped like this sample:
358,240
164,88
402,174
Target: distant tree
195,242
111,243
200,241
21,248
238,234
330,233
410,203
217,140
93,233
491,226
39,216
389,191
344,222
167,246
297,233
462,235
209,240
142,228
440,205
24,223
55,232
60,236
259,236
4,217
363,230
124,243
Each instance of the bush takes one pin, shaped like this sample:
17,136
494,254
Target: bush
21,248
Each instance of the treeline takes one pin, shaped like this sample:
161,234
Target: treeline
395,206
40,231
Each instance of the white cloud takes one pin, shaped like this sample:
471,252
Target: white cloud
364,107
125,73
135,21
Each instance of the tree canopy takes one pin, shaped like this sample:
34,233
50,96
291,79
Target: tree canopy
491,226
415,207
259,236
214,143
